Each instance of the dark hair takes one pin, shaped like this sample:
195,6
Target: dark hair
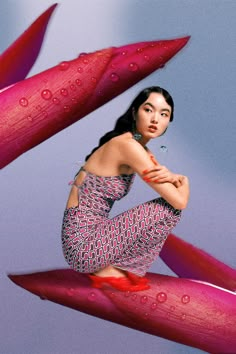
125,122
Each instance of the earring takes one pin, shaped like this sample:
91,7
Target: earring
137,136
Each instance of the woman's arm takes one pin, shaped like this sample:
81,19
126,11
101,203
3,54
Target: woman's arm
133,154
161,174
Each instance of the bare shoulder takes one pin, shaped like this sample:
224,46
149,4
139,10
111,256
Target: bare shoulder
125,142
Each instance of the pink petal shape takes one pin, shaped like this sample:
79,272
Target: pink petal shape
35,109
18,59
188,261
181,310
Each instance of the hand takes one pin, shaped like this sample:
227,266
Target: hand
161,174
178,180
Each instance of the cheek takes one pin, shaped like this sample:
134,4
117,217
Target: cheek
140,121
166,122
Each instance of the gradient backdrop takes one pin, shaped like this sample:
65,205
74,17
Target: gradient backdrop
200,141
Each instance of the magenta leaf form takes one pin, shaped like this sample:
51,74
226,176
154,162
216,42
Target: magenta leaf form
36,108
192,313
188,261
18,59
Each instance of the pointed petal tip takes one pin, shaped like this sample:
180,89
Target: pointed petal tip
114,70
193,306
26,48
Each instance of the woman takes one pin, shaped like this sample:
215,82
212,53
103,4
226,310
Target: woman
119,251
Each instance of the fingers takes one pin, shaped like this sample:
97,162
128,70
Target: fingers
157,177
157,174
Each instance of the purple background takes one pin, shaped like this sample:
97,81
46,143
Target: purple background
200,141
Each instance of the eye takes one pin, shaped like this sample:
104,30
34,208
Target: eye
165,115
147,109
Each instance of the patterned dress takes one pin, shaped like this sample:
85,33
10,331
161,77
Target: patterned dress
130,241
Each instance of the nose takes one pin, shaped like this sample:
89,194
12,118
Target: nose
154,119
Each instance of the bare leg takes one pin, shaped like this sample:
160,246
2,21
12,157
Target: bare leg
110,271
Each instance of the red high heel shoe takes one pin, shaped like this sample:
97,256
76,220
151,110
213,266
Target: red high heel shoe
136,279
121,283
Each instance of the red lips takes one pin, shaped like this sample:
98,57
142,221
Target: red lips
152,127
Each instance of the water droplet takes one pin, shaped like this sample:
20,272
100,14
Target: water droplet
183,316
64,65
163,148
85,61
82,54
66,108
94,80
23,102
114,77
78,82
105,61
64,92
146,57
143,299
45,114
46,94
133,67
134,297
127,293
92,297
30,119
70,292
154,306
43,297
139,50
162,63
185,299
80,70
74,100
124,52
145,317
55,100
72,87
161,297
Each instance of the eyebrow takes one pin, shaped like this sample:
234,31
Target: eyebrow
151,105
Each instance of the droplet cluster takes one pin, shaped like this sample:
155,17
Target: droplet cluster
63,98
161,298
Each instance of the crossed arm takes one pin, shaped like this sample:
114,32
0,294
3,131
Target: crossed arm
174,188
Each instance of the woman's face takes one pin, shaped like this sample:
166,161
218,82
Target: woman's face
152,117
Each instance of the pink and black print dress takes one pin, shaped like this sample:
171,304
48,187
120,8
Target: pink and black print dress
130,241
